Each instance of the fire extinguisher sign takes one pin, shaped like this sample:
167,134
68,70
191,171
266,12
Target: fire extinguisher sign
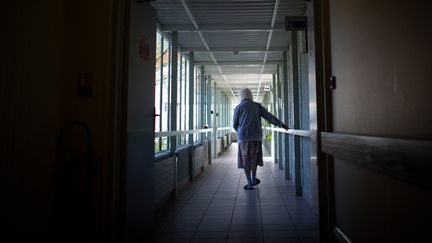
144,51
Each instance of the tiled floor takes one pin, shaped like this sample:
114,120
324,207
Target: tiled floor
216,208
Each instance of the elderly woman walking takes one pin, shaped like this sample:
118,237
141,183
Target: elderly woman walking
247,123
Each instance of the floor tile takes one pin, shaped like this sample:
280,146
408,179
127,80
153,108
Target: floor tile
212,228
211,234
245,234
281,240
245,240
278,227
245,227
280,234
208,240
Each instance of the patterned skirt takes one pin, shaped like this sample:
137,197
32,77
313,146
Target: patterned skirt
249,155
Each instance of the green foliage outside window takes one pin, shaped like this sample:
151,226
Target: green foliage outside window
267,133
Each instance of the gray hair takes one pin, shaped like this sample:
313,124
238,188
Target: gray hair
245,93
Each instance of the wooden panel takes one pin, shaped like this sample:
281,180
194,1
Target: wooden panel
407,160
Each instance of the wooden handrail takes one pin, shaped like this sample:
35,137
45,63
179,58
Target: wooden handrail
407,160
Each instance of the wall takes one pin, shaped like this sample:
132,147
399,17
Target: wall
139,184
381,59
45,46
88,48
315,105
290,122
30,114
309,180
308,177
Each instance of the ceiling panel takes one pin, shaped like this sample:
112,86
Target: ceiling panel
229,26
242,69
235,39
190,39
232,12
171,12
281,39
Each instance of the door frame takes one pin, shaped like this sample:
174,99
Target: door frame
121,19
322,116
320,90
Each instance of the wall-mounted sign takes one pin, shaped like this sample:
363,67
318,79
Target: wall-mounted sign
144,49
85,84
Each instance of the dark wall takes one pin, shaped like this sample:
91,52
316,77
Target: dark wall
32,51
382,62
44,46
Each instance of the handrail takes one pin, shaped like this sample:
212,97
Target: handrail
224,128
183,132
405,159
302,133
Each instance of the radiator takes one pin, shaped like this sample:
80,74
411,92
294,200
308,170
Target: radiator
183,166
226,142
164,178
233,137
198,160
206,152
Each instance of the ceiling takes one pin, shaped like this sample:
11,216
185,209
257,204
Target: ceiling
239,42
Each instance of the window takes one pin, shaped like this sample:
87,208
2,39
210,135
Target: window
163,94
165,85
179,92
162,87
158,79
185,104
183,98
197,101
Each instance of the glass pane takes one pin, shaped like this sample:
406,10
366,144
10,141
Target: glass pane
158,80
179,93
197,106
165,83
156,145
162,90
186,100
164,143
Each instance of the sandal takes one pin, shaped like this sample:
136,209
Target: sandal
247,187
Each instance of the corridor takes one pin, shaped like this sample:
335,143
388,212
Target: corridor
117,120
216,208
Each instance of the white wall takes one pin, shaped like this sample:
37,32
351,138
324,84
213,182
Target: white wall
140,126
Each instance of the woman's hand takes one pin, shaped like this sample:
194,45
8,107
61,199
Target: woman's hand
285,126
